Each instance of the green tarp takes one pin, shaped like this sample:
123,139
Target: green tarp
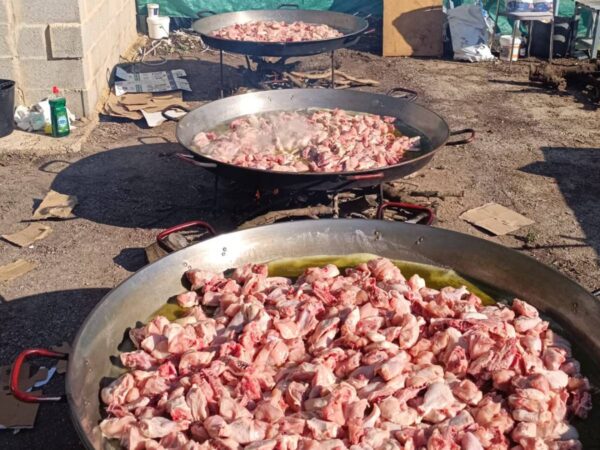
189,8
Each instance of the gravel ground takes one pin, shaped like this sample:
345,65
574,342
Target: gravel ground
536,152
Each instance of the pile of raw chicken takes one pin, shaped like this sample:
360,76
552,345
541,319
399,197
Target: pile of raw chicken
365,361
308,141
275,31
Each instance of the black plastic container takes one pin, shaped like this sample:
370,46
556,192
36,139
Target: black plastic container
7,107
540,44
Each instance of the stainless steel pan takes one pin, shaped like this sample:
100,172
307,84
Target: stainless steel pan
351,26
412,119
570,305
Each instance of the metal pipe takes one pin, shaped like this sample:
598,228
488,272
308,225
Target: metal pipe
222,78
332,69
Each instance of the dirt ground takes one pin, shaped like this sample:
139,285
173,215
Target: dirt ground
536,152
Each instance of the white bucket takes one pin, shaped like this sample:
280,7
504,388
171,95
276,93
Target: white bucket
153,9
505,50
158,27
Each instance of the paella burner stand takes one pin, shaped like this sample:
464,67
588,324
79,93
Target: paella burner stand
268,75
268,206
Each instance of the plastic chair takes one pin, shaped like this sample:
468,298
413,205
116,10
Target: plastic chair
531,17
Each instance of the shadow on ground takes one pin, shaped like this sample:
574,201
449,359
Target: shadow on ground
577,174
131,259
529,87
140,186
44,320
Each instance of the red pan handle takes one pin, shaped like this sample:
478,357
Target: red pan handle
190,160
184,226
16,371
366,176
466,140
409,206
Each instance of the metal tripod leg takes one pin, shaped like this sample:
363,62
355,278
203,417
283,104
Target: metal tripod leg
333,69
222,77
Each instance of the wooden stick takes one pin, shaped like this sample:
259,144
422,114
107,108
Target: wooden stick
327,74
357,80
312,76
294,80
439,194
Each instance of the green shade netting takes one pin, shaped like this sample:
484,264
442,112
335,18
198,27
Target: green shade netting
189,8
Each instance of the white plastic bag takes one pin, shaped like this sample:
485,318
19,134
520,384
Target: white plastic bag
470,32
37,117
29,119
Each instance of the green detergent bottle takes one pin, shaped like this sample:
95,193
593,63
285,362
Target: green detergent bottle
58,114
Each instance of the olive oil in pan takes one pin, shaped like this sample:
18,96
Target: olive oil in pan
171,310
435,277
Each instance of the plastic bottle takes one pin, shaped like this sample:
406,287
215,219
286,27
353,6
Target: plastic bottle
58,114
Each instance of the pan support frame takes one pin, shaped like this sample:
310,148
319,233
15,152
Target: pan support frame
284,197
280,62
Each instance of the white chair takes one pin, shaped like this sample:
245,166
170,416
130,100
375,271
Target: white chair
531,17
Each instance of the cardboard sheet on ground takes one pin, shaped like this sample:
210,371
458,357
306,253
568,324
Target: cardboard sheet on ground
154,119
61,365
15,414
136,106
496,219
55,206
15,269
29,235
172,80
154,252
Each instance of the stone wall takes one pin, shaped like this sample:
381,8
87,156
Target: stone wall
73,44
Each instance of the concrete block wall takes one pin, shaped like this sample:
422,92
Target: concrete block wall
108,24
8,44
72,44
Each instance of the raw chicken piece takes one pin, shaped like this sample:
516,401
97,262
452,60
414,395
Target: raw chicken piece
322,429
268,444
468,392
246,430
394,411
201,278
117,428
394,366
138,360
409,333
438,397
158,427
188,299
470,442
117,391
